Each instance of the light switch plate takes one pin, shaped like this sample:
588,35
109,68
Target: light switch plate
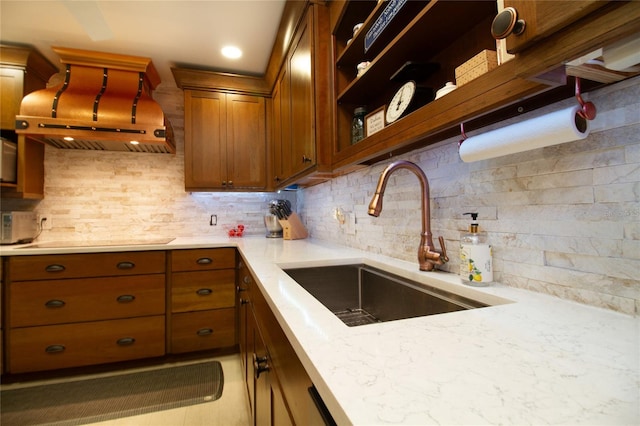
350,223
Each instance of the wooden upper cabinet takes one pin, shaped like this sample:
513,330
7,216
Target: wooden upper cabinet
543,18
303,149
225,141
11,93
302,113
444,34
22,70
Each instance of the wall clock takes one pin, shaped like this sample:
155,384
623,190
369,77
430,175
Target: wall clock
401,101
408,98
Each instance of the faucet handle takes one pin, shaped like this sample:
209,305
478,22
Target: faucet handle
443,248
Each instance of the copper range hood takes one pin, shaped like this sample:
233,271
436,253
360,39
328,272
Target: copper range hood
100,102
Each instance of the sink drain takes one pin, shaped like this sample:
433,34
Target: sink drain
355,317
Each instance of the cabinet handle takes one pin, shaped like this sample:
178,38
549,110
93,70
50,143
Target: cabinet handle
306,159
246,279
260,365
125,341
224,183
55,268
230,183
52,349
55,303
507,23
126,265
126,298
204,332
239,289
204,292
277,179
243,301
204,261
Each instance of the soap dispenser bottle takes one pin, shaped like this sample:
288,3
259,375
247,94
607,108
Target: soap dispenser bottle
476,265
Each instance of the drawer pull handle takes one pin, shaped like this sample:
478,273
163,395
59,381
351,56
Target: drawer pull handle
55,303
204,261
55,268
260,365
126,341
126,265
239,289
204,292
52,349
126,298
205,332
243,301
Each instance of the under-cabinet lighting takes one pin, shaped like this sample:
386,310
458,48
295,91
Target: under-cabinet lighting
134,142
68,138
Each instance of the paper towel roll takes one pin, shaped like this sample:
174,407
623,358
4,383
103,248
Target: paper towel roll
554,128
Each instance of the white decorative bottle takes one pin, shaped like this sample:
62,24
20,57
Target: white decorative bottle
476,264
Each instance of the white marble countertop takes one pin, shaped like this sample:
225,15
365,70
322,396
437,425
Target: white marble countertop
538,360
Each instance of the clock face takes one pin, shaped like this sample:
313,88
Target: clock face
401,101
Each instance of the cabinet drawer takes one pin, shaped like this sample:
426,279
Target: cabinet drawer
202,259
196,331
73,345
22,268
196,291
88,299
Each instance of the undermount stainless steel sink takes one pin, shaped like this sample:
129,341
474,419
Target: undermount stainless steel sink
360,294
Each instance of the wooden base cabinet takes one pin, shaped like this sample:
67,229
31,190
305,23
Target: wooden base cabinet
202,299
83,309
277,383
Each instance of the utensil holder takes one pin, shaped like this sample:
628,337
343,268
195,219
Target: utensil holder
292,228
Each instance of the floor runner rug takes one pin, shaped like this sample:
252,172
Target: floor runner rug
99,399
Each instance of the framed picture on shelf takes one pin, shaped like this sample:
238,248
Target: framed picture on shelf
374,121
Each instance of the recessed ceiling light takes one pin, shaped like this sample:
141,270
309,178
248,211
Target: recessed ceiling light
231,52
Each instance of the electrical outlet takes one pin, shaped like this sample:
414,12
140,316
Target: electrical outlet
213,220
44,221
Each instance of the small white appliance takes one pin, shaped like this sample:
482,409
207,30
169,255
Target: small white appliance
18,227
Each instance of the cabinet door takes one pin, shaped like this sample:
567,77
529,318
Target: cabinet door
543,18
262,396
246,142
242,302
205,148
281,154
11,85
300,64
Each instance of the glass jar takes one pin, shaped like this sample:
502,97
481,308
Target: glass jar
357,125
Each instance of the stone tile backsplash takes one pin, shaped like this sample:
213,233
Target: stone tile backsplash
563,220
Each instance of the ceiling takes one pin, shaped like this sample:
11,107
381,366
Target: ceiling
172,33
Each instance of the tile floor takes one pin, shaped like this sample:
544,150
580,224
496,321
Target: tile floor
231,409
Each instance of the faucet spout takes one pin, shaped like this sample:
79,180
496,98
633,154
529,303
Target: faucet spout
428,256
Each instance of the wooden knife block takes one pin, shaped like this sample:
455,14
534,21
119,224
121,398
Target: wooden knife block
292,228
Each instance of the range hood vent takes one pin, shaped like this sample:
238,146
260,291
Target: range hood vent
100,102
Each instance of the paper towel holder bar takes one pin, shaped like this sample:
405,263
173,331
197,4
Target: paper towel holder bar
587,109
463,134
